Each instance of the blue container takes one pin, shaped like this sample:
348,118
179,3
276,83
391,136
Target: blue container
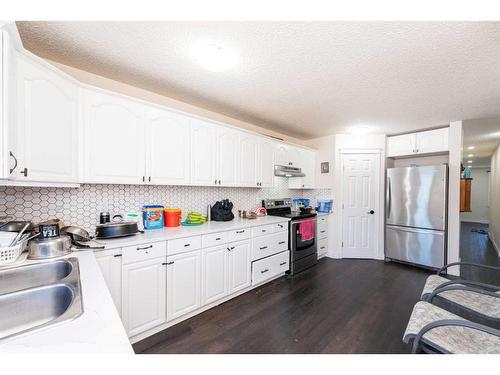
152,216
324,205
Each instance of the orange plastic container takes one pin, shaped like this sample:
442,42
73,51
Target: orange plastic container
172,217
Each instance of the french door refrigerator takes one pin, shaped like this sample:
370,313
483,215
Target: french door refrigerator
416,206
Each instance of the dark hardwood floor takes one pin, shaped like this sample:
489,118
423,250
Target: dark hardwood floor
339,306
477,248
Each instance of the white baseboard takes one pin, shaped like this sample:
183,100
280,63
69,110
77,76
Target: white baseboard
494,243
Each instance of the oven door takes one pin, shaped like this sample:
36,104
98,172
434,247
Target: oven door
302,248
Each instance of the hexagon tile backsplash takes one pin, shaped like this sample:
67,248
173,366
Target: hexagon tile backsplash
81,206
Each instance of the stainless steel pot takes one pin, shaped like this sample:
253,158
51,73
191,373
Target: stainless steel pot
50,247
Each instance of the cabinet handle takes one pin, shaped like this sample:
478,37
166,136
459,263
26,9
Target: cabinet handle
282,263
232,247
15,162
219,182
187,245
323,231
149,179
215,181
279,225
24,172
143,178
217,239
117,255
322,247
264,231
169,263
263,248
240,231
164,264
264,271
281,242
145,248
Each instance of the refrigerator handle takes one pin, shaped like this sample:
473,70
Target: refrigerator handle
388,198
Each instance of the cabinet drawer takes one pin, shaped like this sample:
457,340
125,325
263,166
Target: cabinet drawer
147,251
322,230
182,245
322,247
322,219
262,230
239,234
279,227
267,268
264,246
214,239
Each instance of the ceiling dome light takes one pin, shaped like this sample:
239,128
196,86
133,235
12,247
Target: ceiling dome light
469,161
470,148
470,155
212,57
360,130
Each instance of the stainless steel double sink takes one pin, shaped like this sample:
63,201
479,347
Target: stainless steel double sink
39,295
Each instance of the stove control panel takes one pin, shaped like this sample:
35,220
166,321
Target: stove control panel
277,203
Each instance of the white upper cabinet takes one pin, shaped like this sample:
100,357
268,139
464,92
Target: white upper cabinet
46,124
400,145
426,142
227,156
203,154
306,160
432,141
265,163
248,147
282,154
168,147
114,135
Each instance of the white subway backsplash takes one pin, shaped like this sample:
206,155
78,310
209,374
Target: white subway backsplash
81,206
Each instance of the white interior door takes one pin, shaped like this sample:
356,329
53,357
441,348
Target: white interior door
360,195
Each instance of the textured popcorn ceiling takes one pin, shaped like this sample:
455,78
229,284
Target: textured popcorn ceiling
302,79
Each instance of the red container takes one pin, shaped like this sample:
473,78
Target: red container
172,217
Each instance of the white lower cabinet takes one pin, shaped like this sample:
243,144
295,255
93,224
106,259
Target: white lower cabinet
322,235
215,279
110,263
143,295
183,283
270,267
239,266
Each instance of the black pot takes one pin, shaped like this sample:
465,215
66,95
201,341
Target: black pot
115,230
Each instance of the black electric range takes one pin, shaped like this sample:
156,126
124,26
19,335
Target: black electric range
303,251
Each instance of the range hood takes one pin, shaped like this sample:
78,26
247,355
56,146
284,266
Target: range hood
287,171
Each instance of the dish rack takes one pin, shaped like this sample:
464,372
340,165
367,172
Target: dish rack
10,254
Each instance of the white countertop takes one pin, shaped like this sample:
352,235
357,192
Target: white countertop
98,330
163,234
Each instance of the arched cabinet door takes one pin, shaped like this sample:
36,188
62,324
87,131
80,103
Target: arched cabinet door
114,139
46,130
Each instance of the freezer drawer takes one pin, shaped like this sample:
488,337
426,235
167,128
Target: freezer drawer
418,246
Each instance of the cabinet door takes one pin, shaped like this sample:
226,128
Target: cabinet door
143,295
47,124
168,147
214,274
401,145
227,156
308,167
110,263
239,266
183,283
432,141
266,163
203,153
114,147
282,154
248,160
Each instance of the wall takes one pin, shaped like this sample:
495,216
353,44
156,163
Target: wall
480,204
455,143
81,206
325,147
495,200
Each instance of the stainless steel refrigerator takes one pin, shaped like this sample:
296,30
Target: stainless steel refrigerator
416,206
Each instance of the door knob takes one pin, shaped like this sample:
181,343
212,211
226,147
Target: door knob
371,212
